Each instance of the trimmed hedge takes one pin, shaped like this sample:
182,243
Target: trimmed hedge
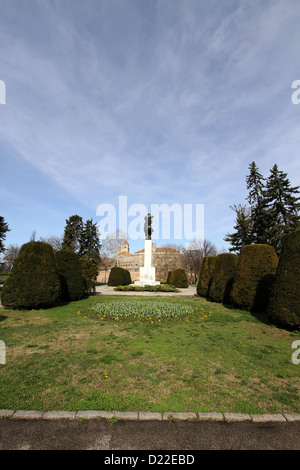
69,270
89,271
169,277
34,282
254,277
284,302
157,288
119,277
222,277
178,278
205,276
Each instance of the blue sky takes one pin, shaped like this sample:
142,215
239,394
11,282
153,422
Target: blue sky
164,101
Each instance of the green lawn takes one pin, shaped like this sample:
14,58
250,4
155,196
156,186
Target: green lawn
69,358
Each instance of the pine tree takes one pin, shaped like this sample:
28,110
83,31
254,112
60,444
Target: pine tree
3,229
72,233
89,242
243,226
282,206
256,200
273,211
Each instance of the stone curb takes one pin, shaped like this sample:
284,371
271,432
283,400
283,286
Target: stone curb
149,416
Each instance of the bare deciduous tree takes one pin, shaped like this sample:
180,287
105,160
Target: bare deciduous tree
111,245
54,241
194,254
9,257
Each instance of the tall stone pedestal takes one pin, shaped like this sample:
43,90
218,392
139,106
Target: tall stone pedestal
147,272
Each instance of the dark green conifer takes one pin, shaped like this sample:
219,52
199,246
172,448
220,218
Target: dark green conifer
282,207
255,185
72,233
284,302
69,269
89,242
3,229
34,282
243,229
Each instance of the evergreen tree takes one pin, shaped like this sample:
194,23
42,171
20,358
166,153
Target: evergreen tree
243,226
256,200
89,242
68,268
34,282
3,229
89,271
72,233
273,211
282,207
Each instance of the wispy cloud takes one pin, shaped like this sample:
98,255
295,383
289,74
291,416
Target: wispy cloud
163,101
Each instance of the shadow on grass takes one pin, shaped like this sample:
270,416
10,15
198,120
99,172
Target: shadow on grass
259,316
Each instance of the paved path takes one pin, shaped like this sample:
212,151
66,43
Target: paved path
93,434
109,290
96,430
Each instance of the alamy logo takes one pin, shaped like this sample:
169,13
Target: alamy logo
2,92
296,354
296,95
176,221
2,352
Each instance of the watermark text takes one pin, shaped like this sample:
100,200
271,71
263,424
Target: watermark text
296,94
2,353
2,92
296,354
177,221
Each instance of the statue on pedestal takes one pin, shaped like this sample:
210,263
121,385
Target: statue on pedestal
147,272
148,226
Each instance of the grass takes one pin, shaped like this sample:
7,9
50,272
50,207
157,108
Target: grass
213,359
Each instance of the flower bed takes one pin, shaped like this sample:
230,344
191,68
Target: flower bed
143,310
157,288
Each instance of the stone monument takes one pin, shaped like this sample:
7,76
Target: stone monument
147,272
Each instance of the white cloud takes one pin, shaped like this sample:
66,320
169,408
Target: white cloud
165,101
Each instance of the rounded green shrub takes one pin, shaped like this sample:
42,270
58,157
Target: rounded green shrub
222,277
205,276
254,277
34,282
69,270
119,277
284,302
178,278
